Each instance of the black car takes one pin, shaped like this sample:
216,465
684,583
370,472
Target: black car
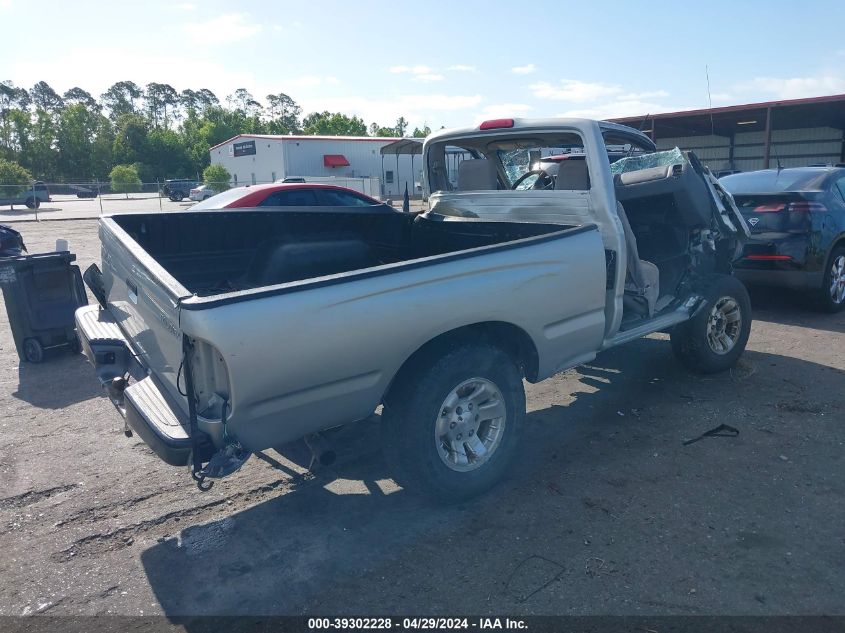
797,221
84,191
178,189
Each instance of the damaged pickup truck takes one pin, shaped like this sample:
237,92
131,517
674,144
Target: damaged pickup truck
224,332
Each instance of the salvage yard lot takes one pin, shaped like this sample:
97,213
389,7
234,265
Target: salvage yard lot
607,511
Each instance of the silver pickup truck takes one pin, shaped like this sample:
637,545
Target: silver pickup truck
224,332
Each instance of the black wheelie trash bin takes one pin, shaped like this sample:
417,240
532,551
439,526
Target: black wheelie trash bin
41,293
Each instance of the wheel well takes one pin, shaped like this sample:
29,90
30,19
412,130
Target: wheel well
511,339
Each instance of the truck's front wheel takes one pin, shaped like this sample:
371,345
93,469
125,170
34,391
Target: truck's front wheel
452,425
715,338
33,203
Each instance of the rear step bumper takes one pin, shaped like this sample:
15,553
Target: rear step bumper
162,426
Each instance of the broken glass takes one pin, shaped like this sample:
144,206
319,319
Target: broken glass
646,161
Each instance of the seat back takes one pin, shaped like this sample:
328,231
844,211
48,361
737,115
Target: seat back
477,174
573,175
633,254
277,261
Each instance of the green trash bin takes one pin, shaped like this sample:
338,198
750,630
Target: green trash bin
42,292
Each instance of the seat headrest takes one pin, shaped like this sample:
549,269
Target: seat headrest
572,175
476,174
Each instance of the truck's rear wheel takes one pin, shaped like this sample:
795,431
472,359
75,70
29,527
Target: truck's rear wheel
715,338
451,428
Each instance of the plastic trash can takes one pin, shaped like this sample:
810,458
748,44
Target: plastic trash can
42,292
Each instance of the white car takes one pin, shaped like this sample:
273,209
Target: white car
198,194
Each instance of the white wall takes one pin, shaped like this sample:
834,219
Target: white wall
277,158
267,160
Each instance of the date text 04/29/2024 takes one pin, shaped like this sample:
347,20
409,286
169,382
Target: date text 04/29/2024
414,624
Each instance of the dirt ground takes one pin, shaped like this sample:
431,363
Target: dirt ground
607,511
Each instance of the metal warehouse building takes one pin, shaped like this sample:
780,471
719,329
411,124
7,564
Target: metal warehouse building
791,133
260,158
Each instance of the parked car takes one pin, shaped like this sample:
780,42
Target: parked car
84,191
289,195
797,220
11,242
31,197
178,189
220,334
203,192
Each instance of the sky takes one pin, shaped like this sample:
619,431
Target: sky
439,63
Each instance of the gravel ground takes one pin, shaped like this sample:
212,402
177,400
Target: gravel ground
607,512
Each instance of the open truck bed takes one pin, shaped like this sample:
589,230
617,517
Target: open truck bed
298,322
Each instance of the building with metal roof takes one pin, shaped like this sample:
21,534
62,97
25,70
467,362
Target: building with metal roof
791,133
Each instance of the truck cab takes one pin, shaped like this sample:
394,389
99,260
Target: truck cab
664,219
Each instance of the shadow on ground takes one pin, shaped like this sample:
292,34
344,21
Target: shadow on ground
61,380
606,511
790,307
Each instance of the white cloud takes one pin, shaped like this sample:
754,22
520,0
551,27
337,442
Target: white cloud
307,81
574,90
462,68
524,70
723,97
793,87
497,110
417,108
428,77
414,70
5,4
186,6
618,108
230,27
139,64
633,96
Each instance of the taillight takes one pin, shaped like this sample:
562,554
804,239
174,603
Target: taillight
495,124
806,207
777,258
803,206
769,208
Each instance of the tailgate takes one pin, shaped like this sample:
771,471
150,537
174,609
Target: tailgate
144,300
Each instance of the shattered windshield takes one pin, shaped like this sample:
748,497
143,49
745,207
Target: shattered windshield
515,162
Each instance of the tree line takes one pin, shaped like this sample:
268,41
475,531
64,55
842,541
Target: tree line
163,133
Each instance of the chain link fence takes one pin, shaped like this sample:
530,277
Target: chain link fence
41,201
81,200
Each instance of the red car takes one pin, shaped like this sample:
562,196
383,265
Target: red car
291,195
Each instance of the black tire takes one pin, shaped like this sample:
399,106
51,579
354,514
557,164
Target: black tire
175,197
824,296
75,346
33,351
33,203
690,341
413,409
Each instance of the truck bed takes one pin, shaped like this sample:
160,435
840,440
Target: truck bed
302,320
216,252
